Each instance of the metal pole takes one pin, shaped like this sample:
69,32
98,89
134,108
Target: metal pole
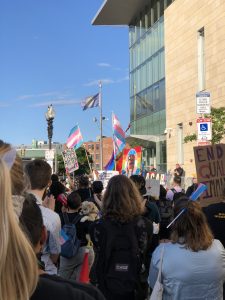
101,141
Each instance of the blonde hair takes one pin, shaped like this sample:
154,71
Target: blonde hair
18,266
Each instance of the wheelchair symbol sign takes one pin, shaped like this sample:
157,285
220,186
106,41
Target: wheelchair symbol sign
204,127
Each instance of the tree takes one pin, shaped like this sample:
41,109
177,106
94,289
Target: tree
218,126
82,161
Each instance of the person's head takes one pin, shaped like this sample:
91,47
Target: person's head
191,228
18,181
54,178
39,173
83,182
18,267
32,224
122,200
140,182
177,166
194,178
162,192
74,201
177,180
97,187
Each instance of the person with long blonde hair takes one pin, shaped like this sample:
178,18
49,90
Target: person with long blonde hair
121,239
18,266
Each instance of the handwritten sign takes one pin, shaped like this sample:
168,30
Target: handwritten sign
70,160
210,169
152,188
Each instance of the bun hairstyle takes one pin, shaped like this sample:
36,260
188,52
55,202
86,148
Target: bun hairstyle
191,228
18,267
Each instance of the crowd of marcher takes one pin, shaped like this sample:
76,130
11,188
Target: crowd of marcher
48,227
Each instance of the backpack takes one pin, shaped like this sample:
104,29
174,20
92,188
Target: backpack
71,246
122,263
166,211
177,195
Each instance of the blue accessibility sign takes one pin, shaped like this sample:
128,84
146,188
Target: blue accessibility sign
204,127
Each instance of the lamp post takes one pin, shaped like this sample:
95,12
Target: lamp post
50,115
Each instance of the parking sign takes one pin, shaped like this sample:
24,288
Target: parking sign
204,126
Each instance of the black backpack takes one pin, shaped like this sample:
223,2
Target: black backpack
122,259
72,244
166,211
177,195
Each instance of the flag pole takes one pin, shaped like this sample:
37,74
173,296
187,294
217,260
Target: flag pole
88,159
113,144
101,141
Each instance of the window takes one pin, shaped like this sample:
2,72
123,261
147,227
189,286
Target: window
97,156
97,146
201,59
90,147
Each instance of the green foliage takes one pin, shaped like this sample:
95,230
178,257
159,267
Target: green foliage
218,124
190,138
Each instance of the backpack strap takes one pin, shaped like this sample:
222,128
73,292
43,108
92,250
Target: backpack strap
66,218
76,219
174,190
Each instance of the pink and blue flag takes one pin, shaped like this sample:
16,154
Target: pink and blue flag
75,139
119,136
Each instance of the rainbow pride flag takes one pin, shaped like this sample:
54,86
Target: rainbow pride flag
75,139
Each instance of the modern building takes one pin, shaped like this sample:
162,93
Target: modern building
177,48
94,149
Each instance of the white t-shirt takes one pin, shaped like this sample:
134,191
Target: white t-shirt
52,246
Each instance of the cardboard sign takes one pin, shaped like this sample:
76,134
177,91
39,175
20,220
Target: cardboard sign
153,187
70,160
210,169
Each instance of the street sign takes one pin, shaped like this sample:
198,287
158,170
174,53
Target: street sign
204,126
203,105
49,154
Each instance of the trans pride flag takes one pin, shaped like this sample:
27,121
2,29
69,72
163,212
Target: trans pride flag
119,139
75,139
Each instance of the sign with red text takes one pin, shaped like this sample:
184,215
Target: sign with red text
210,169
204,126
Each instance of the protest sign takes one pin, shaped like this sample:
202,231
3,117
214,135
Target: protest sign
132,161
152,187
70,160
105,176
210,169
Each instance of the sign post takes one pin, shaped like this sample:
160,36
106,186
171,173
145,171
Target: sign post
203,103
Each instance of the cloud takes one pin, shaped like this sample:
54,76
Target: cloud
125,78
4,104
46,94
96,82
62,102
104,65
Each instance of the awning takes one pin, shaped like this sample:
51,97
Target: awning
147,141
118,12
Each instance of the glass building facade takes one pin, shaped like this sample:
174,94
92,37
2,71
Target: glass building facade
147,80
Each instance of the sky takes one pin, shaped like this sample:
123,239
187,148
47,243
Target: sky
51,54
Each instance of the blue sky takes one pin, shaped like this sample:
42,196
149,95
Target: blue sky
50,53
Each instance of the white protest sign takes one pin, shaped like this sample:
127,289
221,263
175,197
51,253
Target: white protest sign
153,188
105,176
70,160
49,154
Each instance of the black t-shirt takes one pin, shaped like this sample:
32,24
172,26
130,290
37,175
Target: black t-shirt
82,227
84,193
215,214
87,288
52,290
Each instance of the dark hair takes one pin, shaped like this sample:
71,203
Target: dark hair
177,179
83,181
140,183
54,178
39,172
74,200
191,228
31,219
162,192
122,200
97,187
